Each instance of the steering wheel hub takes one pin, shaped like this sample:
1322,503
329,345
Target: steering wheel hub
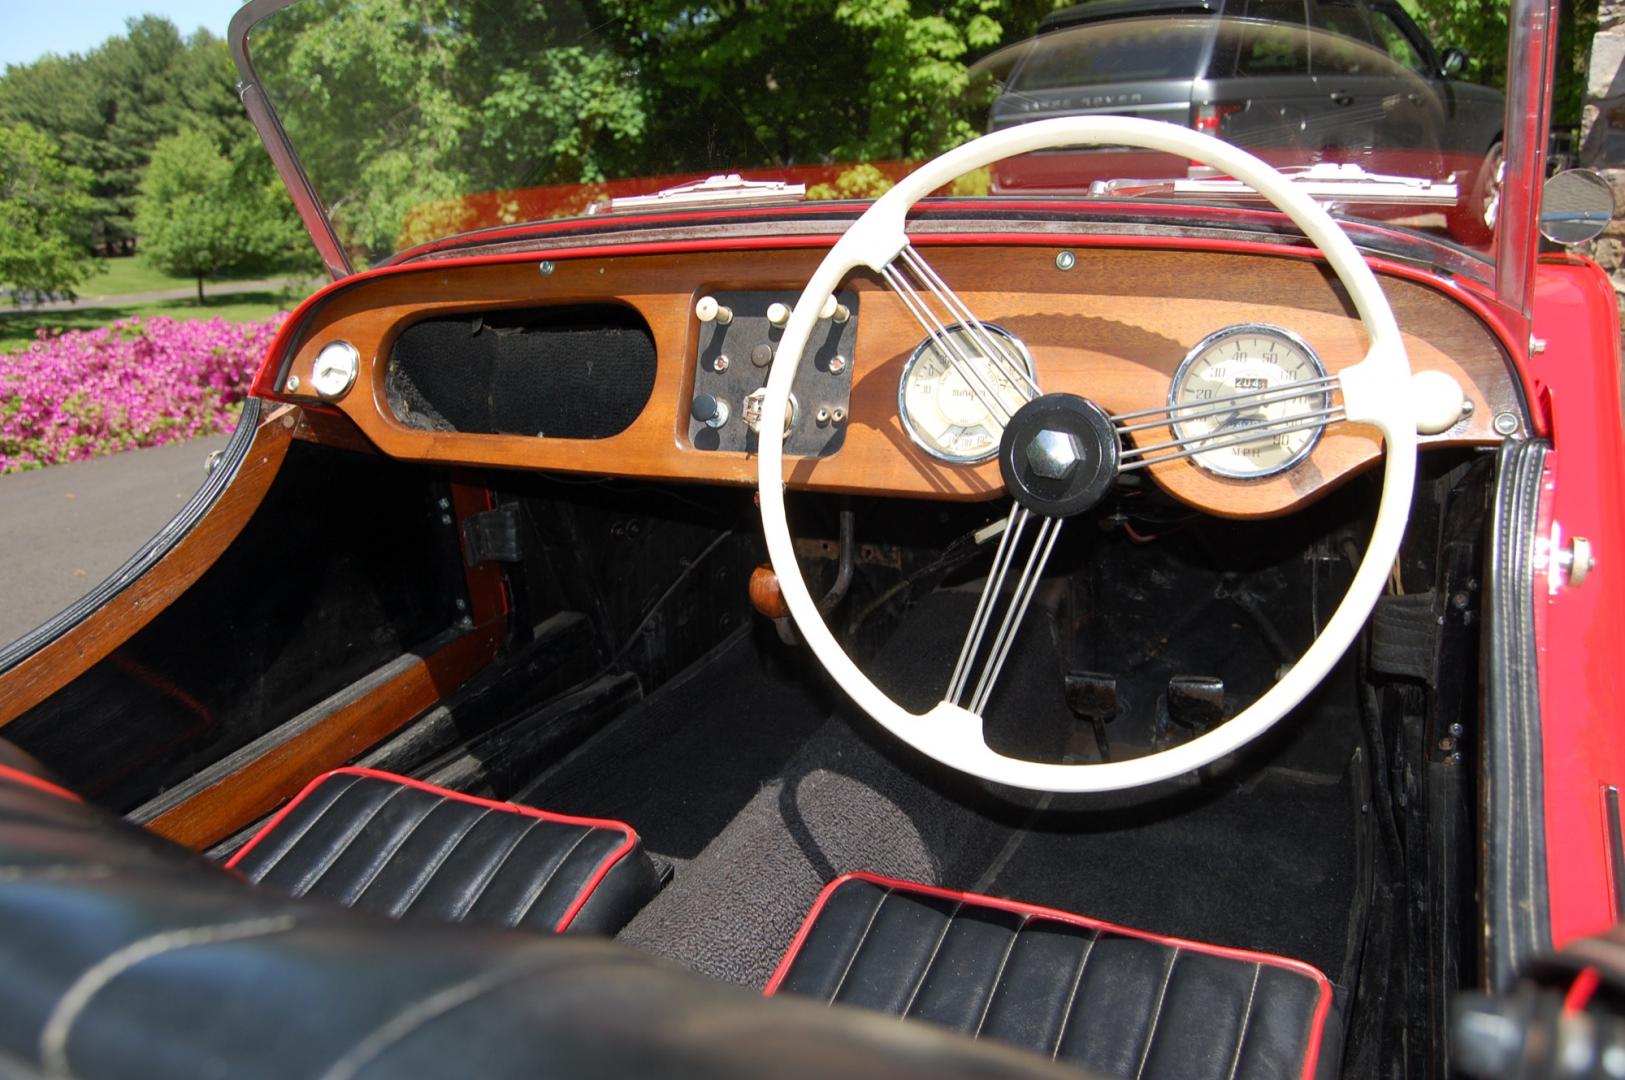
1059,455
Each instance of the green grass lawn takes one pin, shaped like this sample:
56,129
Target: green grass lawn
132,274
17,328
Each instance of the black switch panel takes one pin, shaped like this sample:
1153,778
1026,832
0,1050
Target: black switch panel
822,388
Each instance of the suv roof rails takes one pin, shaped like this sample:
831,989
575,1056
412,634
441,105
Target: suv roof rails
1100,10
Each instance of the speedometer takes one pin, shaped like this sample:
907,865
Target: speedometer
944,413
1239,380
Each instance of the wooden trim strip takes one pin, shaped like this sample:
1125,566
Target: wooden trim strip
331,734
1114,329
115,622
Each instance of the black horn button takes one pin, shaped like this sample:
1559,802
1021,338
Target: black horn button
1058,455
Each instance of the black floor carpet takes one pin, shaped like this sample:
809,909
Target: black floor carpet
1257,853
682,763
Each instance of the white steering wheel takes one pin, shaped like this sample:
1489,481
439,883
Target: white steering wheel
1376,391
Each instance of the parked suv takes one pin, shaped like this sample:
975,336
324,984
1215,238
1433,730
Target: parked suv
1297,82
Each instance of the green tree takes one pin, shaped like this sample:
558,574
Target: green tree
45,207
1479,27
202,213
109,107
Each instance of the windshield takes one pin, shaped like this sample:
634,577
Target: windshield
421,119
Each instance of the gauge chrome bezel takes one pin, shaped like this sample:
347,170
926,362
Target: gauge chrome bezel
902,394
337,355
1215,338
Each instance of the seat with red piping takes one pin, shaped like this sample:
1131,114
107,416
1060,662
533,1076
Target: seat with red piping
1120,1002
395,846
124,956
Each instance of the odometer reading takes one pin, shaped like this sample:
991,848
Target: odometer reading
943,413
1241,378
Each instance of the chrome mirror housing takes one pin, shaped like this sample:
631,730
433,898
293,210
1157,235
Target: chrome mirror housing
1575,206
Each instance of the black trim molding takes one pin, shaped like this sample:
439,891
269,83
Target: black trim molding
1517,917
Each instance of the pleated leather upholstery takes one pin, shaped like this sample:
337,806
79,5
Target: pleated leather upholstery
394,846
1122,1003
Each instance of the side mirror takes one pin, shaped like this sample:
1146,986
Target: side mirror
1575,206
1453,62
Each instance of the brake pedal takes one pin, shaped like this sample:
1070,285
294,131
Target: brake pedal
1196,702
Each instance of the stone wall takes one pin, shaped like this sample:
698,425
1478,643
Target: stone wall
1602,132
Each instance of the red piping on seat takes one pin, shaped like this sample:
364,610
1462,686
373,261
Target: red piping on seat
30,780
592,883
1581,991
1322,1008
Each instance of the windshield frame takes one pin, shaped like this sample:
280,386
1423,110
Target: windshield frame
1529,98
277,144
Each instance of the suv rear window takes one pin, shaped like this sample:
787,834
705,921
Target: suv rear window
1261,48
1120,51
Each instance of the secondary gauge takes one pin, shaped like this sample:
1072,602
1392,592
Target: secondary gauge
946,415
335,369
1242,377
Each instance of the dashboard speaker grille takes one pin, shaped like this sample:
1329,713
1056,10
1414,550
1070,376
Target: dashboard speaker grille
581,372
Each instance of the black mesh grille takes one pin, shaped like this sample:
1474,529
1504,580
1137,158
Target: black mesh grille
568,372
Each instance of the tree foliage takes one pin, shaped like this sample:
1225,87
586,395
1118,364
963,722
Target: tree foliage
44,204
1479,27
108,108
202,213
187,223
442,98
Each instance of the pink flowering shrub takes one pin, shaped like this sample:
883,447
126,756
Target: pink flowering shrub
84,393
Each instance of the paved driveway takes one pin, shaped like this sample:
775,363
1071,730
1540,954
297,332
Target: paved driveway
65,528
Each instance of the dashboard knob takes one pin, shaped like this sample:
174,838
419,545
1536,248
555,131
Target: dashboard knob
707,309
765,594
778,314
709,410
833,309
1439,402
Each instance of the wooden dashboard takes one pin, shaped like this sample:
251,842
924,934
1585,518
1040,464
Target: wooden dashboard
1113,328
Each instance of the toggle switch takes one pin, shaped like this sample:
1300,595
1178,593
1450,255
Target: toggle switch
708,310
753,410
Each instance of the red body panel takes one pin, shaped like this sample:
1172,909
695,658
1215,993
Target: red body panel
1580,632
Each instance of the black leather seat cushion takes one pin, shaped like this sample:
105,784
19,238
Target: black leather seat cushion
124,957
1120,1002
387,844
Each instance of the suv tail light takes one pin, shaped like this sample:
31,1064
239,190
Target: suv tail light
1209,118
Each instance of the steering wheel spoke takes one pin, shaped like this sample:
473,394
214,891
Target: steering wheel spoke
1008,539
1224,437
999,353
1015,609
980,358
993,601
